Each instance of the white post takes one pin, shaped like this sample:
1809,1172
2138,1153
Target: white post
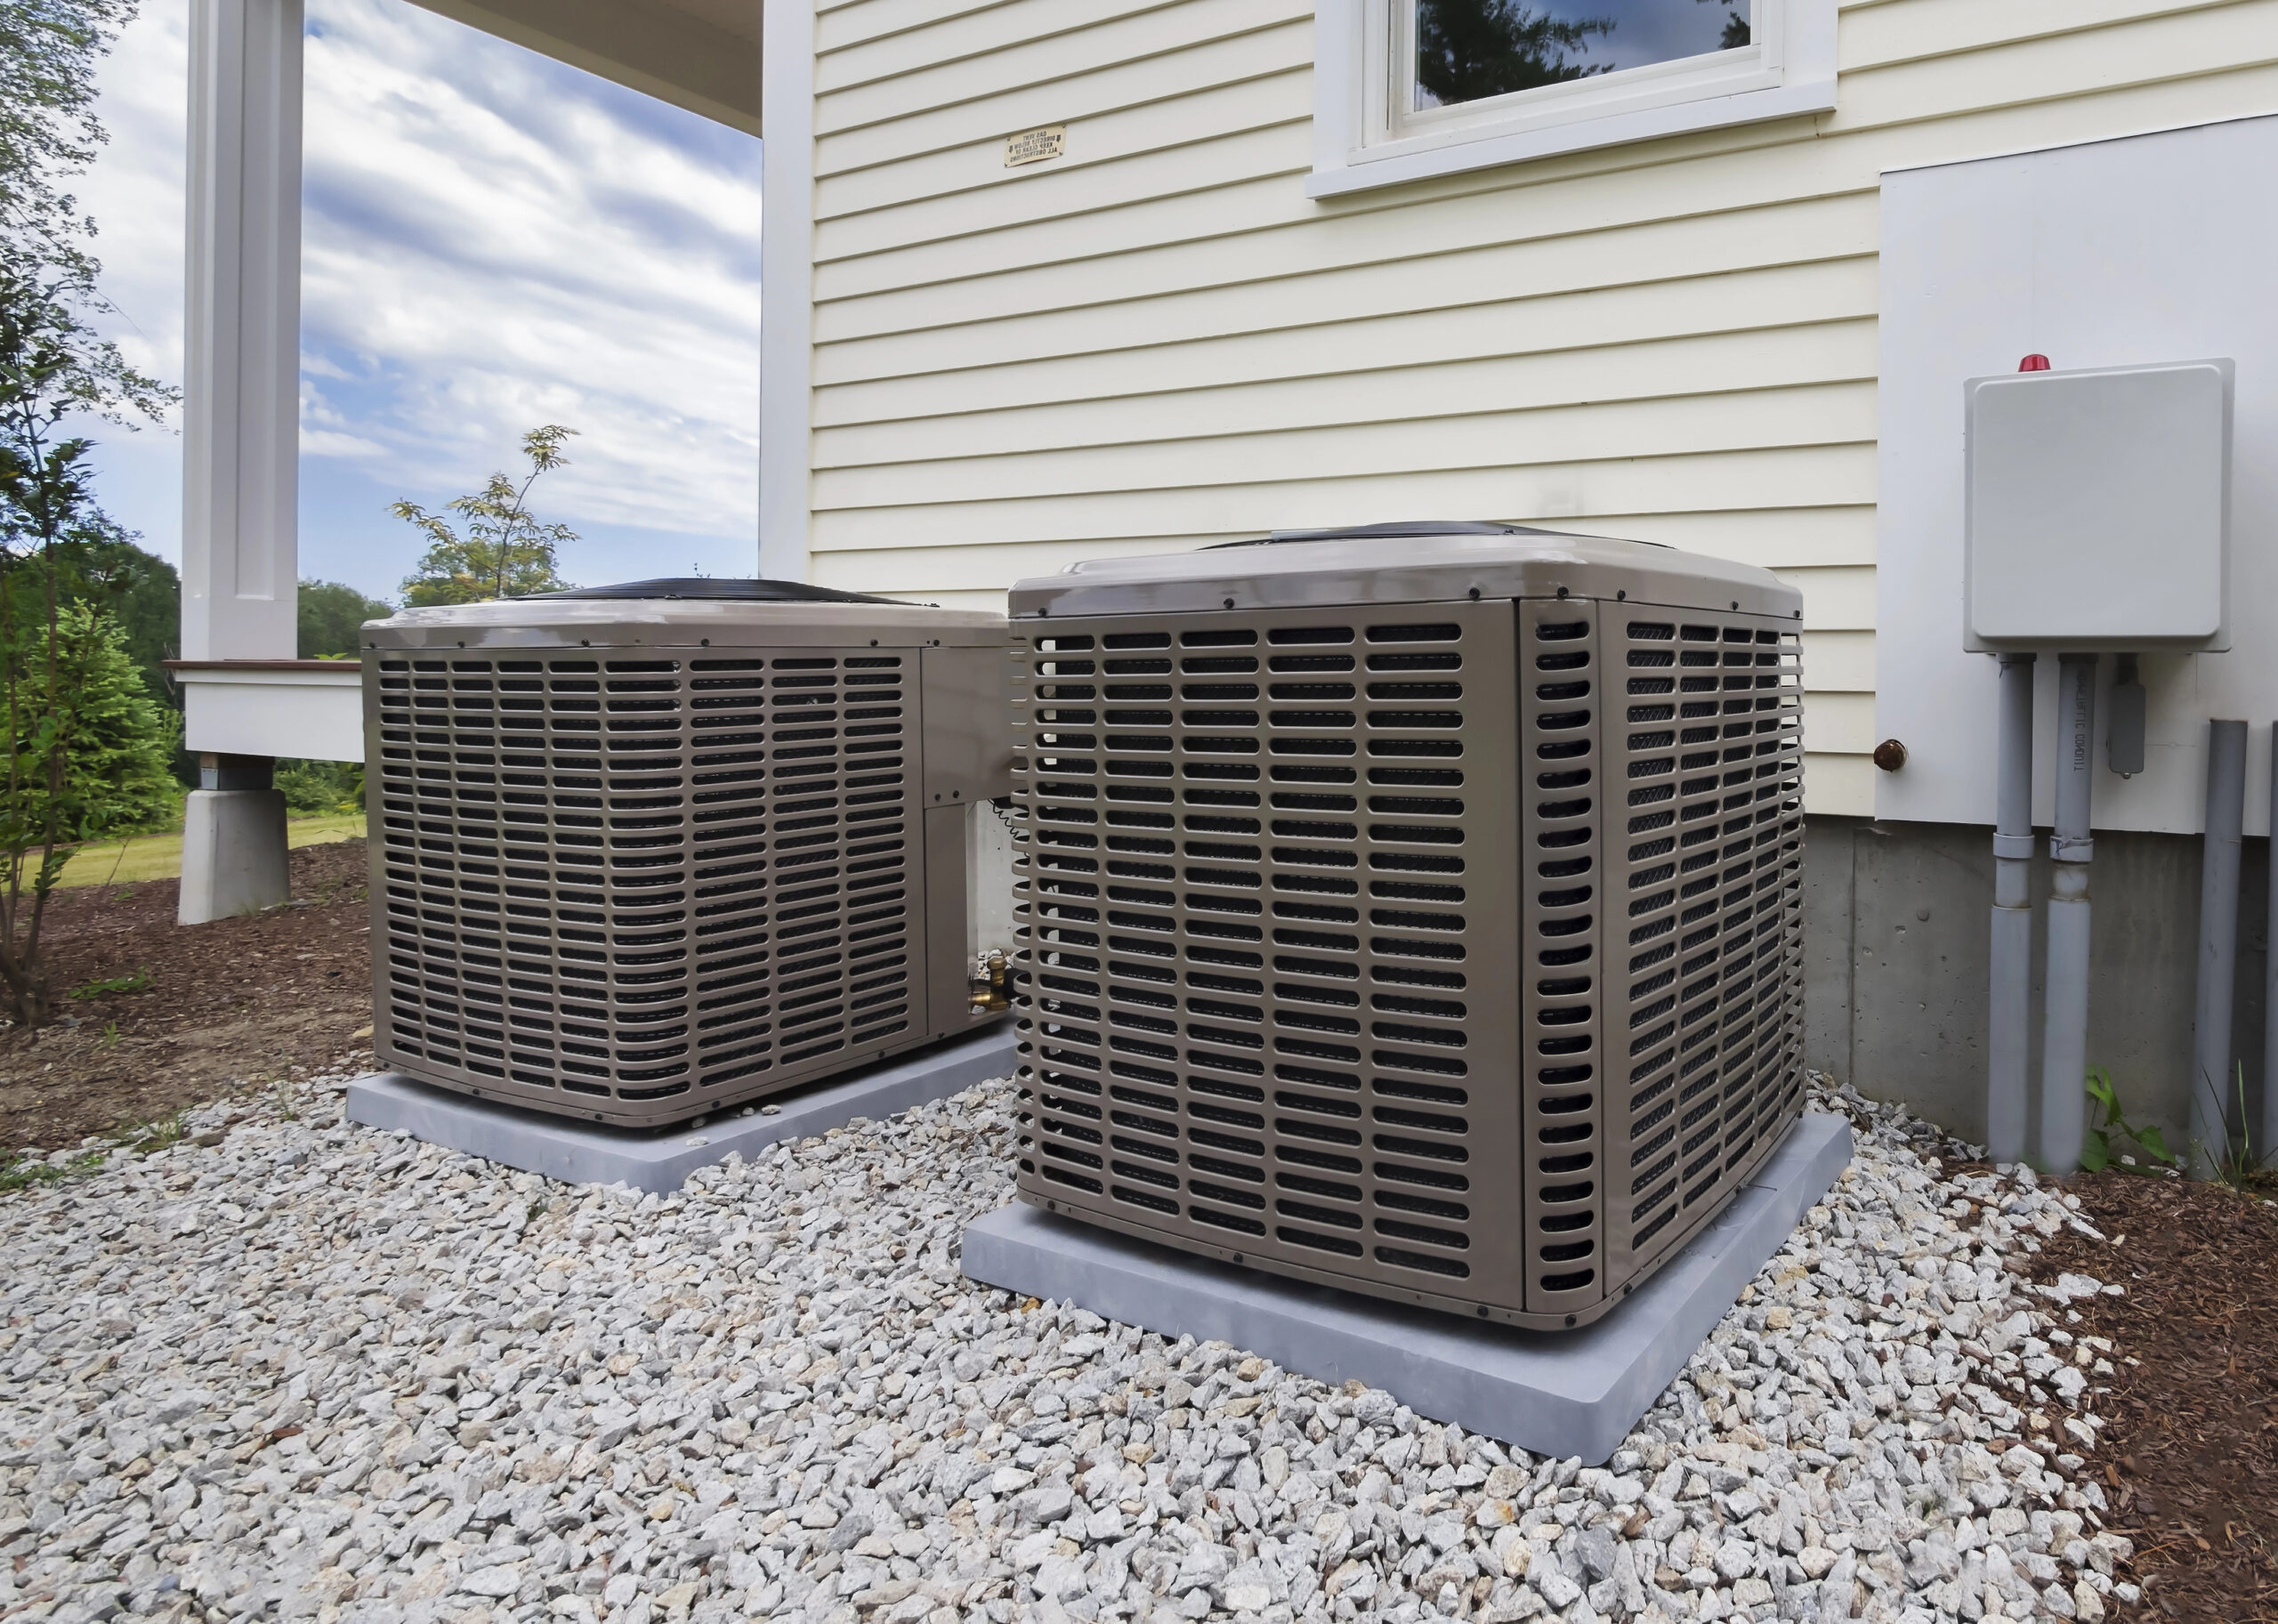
786,285
240,419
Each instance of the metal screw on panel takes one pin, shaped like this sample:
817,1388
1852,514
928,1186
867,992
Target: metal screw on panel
1230,603
1890,756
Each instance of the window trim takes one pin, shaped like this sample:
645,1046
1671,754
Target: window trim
1359,145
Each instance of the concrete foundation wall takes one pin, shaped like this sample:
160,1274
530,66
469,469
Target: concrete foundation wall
1897,928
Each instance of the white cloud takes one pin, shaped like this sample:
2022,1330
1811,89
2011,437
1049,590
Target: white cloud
490,241
493,243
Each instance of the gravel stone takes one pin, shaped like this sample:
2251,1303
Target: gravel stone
313,1371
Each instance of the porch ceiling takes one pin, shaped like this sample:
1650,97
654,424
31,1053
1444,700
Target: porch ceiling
700,54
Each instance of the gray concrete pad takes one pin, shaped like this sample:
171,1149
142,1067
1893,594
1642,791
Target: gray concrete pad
659,1159
1558,1393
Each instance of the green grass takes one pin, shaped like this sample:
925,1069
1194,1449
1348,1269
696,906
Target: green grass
19,1172
158,857
137,982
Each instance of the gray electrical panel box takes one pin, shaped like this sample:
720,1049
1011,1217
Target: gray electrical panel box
2098,508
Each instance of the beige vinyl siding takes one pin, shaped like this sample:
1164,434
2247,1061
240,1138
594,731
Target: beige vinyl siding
1159,341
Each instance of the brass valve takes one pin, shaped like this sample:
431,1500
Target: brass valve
987,988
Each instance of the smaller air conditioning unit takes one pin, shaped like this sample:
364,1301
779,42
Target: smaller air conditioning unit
1416,909
639,853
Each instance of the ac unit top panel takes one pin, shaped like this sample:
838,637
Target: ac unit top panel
1408,563
676,621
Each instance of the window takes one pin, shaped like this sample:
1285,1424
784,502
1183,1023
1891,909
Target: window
1405,89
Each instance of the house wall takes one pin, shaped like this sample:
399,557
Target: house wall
1898,942
1158,341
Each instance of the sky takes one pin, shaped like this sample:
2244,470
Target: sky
490,241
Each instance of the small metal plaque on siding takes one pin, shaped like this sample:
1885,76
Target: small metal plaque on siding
1035,146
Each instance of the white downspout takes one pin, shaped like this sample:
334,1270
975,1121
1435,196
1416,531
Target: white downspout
2009,1046
2064,1041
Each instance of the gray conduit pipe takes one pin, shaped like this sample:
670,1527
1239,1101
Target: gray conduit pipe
2064,1038
2266,1147
2218,937
2009,1031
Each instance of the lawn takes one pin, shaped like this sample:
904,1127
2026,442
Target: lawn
158,857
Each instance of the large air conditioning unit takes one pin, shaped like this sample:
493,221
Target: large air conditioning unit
640,853
1415,909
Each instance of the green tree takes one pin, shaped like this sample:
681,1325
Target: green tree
74,762
505,551
49,50
114,738
1467,50
140,592
333,617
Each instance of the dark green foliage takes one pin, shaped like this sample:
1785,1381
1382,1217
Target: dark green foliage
331,615
321,786
1467,50
116,772
138,592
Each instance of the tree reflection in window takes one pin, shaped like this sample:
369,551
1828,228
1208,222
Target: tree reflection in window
1468,50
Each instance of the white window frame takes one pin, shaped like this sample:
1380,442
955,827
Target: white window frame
1364,137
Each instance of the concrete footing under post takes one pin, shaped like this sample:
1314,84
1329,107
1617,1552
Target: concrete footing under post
1558,1393
233,858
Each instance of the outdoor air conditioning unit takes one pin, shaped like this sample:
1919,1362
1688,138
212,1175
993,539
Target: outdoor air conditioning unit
1415,909
639,853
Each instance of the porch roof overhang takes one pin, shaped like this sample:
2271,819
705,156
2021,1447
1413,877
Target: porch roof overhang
702,55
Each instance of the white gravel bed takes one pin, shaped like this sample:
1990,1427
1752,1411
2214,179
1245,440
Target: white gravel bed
319,1372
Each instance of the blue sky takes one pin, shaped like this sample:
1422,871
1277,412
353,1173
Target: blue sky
490,241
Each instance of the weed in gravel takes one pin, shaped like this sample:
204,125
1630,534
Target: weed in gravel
21,1172
138,981
144,1138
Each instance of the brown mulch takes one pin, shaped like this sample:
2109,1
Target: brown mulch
249,999
2190,1458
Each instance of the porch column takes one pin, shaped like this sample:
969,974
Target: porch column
787,203
240,414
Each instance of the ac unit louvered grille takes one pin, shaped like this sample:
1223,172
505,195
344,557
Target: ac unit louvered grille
1708,841
632,878
1265,855
1344,935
